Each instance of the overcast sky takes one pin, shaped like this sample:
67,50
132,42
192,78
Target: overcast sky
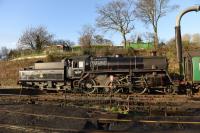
65,18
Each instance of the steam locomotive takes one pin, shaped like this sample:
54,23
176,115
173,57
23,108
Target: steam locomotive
90,74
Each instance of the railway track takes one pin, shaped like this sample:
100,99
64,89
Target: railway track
168,108
101,120
138,119
125,102
137,103
35,129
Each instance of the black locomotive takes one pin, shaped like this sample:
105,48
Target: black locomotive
100,74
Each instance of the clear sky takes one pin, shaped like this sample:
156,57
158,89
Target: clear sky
65,18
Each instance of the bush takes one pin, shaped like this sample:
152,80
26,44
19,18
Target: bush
58,56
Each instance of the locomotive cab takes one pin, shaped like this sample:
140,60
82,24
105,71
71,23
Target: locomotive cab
76,66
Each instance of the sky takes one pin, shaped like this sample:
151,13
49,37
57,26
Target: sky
65,19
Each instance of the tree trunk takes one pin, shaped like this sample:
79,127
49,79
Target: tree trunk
124,37
156,40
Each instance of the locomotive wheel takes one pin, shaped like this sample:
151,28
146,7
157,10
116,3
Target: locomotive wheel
76,83
87,86
113,87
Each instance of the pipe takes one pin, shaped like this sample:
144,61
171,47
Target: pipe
178,36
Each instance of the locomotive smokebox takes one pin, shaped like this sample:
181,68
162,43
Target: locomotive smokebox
178,36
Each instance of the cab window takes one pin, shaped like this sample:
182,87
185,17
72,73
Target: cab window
81,64
75,64
78,64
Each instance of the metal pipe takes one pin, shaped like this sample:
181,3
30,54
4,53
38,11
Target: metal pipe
178,35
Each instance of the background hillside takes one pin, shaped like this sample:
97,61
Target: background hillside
10,68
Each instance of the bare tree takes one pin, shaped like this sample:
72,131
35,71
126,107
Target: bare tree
100,40
4,52
148,36
86,36
196,38
35,38
151,11
117,15
64,42
139,39
186,38
67,44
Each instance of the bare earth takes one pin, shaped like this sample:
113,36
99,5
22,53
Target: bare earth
51,118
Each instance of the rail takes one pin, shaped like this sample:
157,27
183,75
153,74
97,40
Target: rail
138,119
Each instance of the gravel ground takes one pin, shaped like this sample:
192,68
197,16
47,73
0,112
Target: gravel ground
48,118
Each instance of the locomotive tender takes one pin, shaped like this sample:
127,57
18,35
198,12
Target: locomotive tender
90,74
